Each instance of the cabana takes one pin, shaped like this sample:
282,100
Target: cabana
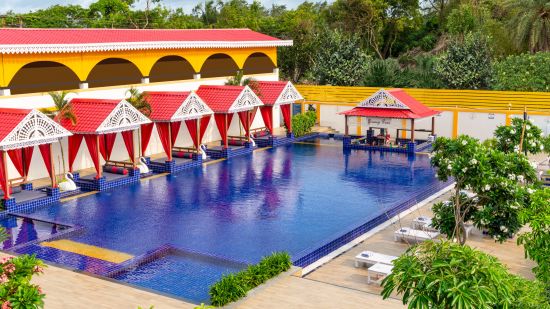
272,94
225,101
168,111
379,110
97,123
20,131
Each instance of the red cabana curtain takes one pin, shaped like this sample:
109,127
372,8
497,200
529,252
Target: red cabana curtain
45,150
223,126
128,137
175,129
27,157
204,125
267,116
106,143
285,109
245,121
16,156
4,175
164,134
192,127
146,131
91,142
74,144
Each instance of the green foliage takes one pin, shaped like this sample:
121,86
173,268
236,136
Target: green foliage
530,24
382,73
138,100
232,287
444,213
536,242
303,123
462,20
525,72
508,138
16,289
340,60
466,64
498,179
448,275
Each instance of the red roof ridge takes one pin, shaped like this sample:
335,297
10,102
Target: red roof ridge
160,92
121,29
15,110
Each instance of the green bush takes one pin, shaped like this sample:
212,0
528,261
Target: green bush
232,287
302,123
525,72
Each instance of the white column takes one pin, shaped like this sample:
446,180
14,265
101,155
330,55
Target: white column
145,80
83,85
197,76
5,91
276,71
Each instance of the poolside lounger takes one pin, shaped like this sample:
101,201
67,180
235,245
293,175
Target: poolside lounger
380,271
423,223
371,258
413,235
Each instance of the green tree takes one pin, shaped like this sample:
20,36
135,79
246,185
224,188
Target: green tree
525,72
138,100
466,64
530,24
524,132
341,61
110,13
448,275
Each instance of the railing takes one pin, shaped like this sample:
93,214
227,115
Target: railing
471,99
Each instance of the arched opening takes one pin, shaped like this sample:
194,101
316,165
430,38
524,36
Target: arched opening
43,76
113,72
171,68
219,65
258,63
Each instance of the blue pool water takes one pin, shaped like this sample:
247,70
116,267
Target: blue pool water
292,198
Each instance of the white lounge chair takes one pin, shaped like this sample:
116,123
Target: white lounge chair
371,258
380,271
412,235
423,223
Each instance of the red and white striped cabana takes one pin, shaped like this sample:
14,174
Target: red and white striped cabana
227,100
20,131
97,122
168,111
277,93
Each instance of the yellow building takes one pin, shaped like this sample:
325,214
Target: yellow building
40,60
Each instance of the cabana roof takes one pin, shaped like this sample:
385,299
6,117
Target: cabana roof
176,106
394,103
20,41
277,92
100,116
27,128
229,99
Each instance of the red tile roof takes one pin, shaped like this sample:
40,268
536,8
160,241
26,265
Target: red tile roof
415,108
90,114
10,118
164,104
18,40
269,92
219,98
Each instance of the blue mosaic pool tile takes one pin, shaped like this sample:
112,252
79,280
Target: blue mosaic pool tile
274,141
173,167
306,137
102,184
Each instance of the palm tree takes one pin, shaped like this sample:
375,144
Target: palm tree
531,23
61,110
237,80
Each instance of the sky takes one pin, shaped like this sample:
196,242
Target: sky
21,6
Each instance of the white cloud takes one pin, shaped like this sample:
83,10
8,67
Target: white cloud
21,6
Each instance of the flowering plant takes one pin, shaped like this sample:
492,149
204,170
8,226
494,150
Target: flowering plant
508,138
16,290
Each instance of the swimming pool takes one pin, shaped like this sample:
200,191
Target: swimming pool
224,215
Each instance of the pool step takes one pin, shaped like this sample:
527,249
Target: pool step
88,250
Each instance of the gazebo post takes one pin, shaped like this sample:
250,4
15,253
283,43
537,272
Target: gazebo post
134,165
346,132
226,131
290,118
169,155
248,124
198,120
412,130
433,125
98,157
5,172
54,182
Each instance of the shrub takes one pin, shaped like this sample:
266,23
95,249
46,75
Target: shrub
16,290
466,64
302,123
232,287
508,138
525,72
